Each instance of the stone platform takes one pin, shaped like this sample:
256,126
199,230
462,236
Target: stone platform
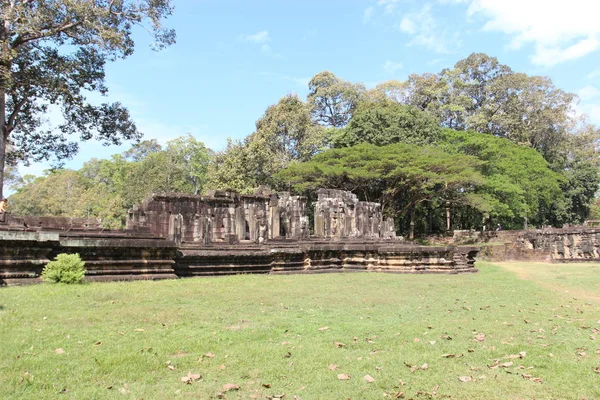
111,256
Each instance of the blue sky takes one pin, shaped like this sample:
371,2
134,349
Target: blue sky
235,58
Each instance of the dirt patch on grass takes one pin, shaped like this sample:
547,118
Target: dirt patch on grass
545,275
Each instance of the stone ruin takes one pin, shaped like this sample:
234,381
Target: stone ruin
339,214
224,216
173,235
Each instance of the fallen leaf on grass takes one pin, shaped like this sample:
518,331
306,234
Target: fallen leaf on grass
139,330
208,355
446,337
332,367
276,396
287,355
597,369
465,378
480,337
171,367
190,378
448,355
397,395
343,377
369,378
59,351
414,368
98,343
532,378
324,328
507,364
339,344
230,386
513,356
266,385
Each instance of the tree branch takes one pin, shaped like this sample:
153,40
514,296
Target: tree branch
10,125
29,37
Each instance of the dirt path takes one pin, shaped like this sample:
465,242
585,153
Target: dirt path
544,275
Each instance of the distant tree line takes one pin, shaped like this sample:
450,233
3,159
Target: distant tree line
470,145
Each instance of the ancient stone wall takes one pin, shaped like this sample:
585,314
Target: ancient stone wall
111,256
221,217
108,256
339,214
566,244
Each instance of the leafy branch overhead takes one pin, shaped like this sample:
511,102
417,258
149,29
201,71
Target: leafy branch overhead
52,53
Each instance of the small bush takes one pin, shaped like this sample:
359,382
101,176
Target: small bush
66,268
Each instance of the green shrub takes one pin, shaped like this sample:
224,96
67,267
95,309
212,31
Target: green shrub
66,268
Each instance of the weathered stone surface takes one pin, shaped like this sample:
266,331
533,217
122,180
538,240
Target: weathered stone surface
174,235
339,214
221,217
570,244
108,256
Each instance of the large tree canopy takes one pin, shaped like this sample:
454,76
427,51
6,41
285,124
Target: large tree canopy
386,122
400,176
333,100
285,133
106,189
51,53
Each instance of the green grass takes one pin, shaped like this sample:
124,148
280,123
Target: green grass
118,339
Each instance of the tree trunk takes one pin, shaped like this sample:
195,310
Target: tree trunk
411,233
448,221
3,138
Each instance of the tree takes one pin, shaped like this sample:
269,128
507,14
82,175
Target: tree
284,133
52,52
333,100
386,122
519,184
482,95
191,157
228,169
56,194
400,176
141,150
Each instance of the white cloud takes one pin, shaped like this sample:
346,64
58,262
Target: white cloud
592,110
392,67
258,37
588,92
595,73
368,14
427,32
558,30
388,5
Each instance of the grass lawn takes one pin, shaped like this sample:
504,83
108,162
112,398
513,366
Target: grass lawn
513,331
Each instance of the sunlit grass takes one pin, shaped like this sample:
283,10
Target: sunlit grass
274,335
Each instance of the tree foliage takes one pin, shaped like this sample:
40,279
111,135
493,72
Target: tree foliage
519,184
333,100
285,133
53,52
386,122
400,176
106,189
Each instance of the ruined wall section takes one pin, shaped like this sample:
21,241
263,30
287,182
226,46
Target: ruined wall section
221,217
339,214
289,216
187,218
